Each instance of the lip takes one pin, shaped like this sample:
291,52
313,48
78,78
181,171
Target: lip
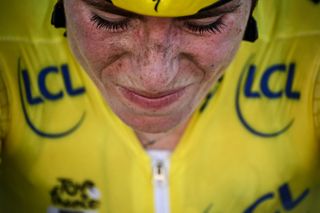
151,100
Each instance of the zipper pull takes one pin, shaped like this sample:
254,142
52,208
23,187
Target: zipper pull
159,172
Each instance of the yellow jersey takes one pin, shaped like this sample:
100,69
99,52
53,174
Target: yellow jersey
252,146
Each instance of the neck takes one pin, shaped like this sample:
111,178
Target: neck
162,141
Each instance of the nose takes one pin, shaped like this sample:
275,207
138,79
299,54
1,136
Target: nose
159,30
157,56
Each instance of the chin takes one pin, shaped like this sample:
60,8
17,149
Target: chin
153,125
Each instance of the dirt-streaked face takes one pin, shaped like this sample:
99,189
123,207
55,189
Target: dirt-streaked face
154,72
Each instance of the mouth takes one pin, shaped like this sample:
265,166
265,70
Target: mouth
149,100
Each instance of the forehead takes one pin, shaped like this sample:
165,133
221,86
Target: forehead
162,8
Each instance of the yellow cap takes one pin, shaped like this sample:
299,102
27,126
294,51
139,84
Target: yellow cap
164,8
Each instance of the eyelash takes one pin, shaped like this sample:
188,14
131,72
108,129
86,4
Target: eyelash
119,26
108,25
215,27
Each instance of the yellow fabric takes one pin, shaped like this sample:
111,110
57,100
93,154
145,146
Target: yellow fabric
3,110
164,8
252,149
317,105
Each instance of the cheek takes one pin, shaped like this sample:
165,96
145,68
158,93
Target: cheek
217,50
214,56
91,46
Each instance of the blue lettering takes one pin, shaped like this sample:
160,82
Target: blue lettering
43,87
286,198
264,83
23,78
289,93
262,199
249,82
265,79
27,85
47,94
67,81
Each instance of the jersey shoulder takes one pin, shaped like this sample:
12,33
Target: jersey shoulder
294,18
21,20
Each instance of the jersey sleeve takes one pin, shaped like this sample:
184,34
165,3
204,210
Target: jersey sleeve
316,104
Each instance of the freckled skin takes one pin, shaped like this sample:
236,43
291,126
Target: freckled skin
153,55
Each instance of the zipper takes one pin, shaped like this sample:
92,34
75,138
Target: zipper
160,167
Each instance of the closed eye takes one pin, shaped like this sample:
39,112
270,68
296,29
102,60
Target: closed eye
118,25
207,25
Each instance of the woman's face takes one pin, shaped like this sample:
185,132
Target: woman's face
154,72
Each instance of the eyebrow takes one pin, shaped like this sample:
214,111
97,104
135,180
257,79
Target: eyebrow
213,10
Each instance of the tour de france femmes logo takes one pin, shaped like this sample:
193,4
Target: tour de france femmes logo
48,100
69,196
263,97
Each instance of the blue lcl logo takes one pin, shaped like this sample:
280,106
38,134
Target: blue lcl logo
286,198
42,85
275,83
264,83
46,94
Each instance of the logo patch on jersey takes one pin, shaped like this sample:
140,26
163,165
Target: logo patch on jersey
288,201
285,195
37,96
69,196
268,96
